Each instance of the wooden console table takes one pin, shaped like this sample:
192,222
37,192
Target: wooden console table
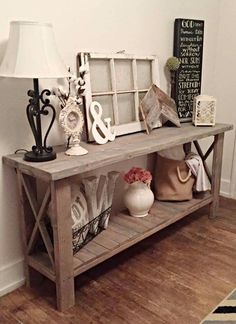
58,263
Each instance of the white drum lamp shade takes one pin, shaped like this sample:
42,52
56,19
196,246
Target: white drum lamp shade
32,53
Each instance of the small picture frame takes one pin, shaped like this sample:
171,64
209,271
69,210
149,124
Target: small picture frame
72,121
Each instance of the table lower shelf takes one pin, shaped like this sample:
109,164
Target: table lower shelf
123,231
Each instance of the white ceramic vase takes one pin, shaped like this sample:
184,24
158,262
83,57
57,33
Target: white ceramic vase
138,198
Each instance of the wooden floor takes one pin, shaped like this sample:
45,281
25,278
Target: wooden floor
176,276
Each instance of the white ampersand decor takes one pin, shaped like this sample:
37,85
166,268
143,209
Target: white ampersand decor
101,130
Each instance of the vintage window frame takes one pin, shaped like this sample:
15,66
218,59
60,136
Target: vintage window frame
83,59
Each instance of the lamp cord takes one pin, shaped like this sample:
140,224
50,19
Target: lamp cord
21,150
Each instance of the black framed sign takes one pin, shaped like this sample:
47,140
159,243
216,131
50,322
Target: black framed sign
188,47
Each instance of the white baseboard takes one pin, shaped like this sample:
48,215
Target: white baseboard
11,277
225,188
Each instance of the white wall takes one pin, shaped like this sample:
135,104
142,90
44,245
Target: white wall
224,88
141,26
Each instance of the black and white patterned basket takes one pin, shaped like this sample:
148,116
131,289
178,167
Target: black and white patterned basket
81,236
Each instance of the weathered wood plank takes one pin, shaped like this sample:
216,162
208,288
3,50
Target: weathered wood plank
26,219
121,56
90,259
128,232
147,222
95,248
62,236
42,263
199,150
161,216
130,222
123,148
136,94
119,238
114,96
85,255
41,227
104,241
208,152
110,93
216,172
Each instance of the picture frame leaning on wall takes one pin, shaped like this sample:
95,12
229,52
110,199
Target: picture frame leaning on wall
118,82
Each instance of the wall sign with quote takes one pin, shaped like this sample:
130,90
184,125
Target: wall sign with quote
188,47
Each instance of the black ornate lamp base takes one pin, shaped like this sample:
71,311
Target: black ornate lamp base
43,157
40,151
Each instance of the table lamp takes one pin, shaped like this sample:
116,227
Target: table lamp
31,53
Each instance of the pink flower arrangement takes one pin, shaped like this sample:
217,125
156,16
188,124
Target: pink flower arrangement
138,174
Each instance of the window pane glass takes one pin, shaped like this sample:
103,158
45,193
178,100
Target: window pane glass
100,75
124,75
144,72
126,108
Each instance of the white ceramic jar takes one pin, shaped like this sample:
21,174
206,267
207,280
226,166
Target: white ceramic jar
138,198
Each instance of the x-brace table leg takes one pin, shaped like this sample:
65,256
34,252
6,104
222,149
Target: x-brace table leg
33,218
60,251
215,176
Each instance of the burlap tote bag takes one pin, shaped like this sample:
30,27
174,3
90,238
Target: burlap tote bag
173,180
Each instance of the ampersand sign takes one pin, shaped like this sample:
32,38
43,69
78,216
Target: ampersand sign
101,130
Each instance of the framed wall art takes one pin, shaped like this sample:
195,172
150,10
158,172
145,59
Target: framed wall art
118,82
188,48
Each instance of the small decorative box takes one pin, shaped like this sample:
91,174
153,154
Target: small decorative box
204,110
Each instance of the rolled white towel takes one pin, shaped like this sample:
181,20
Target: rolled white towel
196,166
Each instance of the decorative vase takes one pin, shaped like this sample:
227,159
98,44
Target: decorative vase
138,199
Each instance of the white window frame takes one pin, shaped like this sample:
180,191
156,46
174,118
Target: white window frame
125,128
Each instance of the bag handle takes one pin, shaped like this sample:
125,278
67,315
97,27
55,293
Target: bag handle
180,178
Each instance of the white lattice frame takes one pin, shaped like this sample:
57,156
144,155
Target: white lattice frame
126,128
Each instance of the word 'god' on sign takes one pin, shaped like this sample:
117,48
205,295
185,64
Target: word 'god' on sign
188,47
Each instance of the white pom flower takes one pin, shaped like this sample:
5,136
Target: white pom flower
71,99
62,91
83,88
79,101
81,82
83,68
72,78
54,91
